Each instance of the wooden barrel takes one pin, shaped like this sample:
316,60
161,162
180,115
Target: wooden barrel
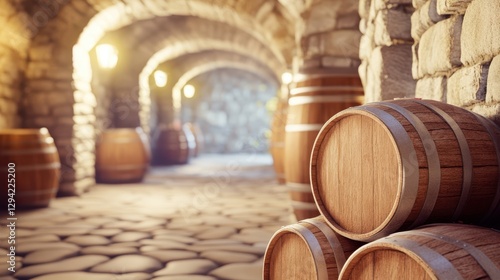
391,166
190,140
314,99
122,155
198,138
307,250
29,159
171,145
277,143
451,251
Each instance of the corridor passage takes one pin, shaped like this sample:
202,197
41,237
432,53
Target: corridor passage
210,219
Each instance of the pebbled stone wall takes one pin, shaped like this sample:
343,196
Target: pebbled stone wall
230,110
456,54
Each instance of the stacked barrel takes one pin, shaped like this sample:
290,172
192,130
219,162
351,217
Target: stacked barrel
386,174
314,98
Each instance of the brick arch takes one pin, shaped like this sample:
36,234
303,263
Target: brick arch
179,50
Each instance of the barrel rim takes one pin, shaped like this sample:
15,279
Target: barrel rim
366,249
392,221
300,77
295,229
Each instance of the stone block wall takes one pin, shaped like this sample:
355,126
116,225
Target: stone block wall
456,54
231,111
386,49
331,36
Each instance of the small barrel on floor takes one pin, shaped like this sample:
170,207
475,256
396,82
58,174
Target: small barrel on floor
395,165
122,155
309,250
30,167
198,137
190,140
446,251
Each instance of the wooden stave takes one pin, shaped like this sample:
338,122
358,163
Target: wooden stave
36,161
190,140
396,223
429,247
277,141
324,93
119,171
327,249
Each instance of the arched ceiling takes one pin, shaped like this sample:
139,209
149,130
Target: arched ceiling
205,58
150,42
263,20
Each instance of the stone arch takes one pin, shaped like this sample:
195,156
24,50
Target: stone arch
68,95
180,50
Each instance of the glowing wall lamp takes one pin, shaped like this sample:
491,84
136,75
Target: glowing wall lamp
161,78
189,91
286,78
107,56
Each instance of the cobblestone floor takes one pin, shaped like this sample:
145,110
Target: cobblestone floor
207,220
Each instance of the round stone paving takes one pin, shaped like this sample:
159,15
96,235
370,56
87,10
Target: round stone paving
179,224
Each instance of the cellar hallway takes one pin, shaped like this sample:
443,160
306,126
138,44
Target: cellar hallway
208,220
382,115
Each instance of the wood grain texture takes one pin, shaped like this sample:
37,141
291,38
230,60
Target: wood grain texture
307,251
37,166
122,155
394,165
171,145
313,100
438,251
277,143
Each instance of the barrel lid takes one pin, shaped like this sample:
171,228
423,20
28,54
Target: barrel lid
357,173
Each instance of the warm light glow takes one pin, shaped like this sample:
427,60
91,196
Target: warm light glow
107,56
189,91
160,78
286,78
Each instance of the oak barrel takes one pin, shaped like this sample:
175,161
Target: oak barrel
198,137
277,143
171,145
391,166
313,100
29,159
447,251
309,250
190,140
122,155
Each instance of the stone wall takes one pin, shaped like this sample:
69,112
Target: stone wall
330,36
457,53
231,111
385,49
